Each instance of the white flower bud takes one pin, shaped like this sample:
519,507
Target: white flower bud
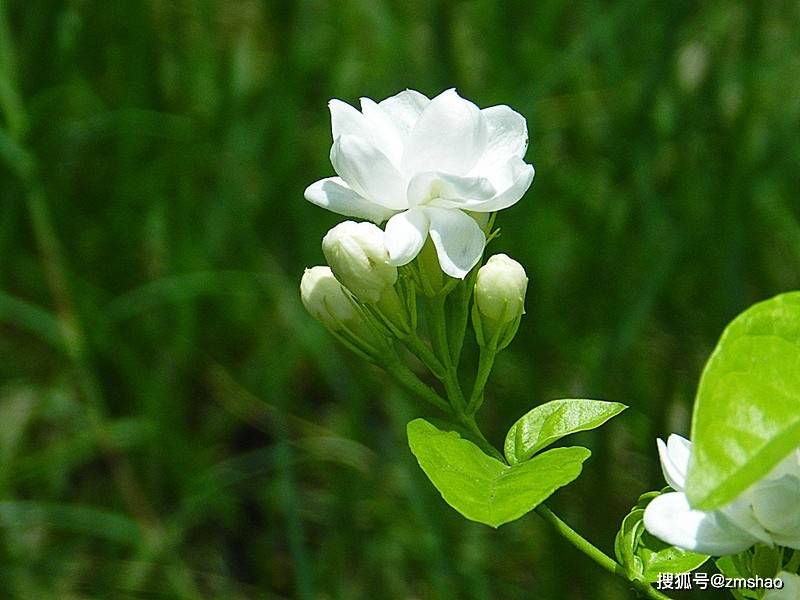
358,257
326,300
500,289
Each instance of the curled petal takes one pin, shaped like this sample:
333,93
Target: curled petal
670,518
346,120
450,136
507,136
458,239
740,511
384,132
448,191
674,457
405,235
776,506
404,109
335,195
518,178
368,171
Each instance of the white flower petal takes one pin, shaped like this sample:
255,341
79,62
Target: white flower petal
335,195
788,466
674,457
776,506
346,120
519,176
405,235
450,135
458,239
790,589
507,137
367,170
670,518
385,134
404,109
740,511
448,191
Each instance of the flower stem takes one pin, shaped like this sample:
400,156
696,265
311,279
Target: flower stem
485,365
460,316
437,322
406,378
472,426
794,562
597,555
421,350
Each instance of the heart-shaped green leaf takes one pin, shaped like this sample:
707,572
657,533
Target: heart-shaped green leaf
482,488
553,420
747,412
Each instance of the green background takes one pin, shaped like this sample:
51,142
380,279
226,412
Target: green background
173,425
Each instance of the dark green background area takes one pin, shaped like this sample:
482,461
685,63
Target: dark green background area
172,423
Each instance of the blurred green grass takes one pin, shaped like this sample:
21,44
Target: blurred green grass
174,425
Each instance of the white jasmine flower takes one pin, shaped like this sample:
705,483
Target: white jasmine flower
420,163
768,512
358,258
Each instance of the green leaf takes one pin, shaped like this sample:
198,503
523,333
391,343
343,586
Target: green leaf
627,541
658,557
747,412
482,488
553,420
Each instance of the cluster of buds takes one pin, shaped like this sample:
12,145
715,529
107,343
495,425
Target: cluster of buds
370,304
359,296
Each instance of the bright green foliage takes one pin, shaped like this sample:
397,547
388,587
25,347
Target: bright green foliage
550,422
747,412
482,488
644,556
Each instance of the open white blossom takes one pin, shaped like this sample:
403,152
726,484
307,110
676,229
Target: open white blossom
768,512
420,163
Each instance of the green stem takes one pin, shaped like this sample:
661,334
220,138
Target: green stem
597,555
406,378
421,350
437,322
460,317
485,365
794,563
472,426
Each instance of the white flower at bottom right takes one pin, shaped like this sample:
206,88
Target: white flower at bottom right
768,512
790,589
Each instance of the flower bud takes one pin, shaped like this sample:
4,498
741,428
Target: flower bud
500,289
326,300
358,257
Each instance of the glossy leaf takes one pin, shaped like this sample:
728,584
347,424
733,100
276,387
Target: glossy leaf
482,488
553,420
747,412
658,557
626,542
